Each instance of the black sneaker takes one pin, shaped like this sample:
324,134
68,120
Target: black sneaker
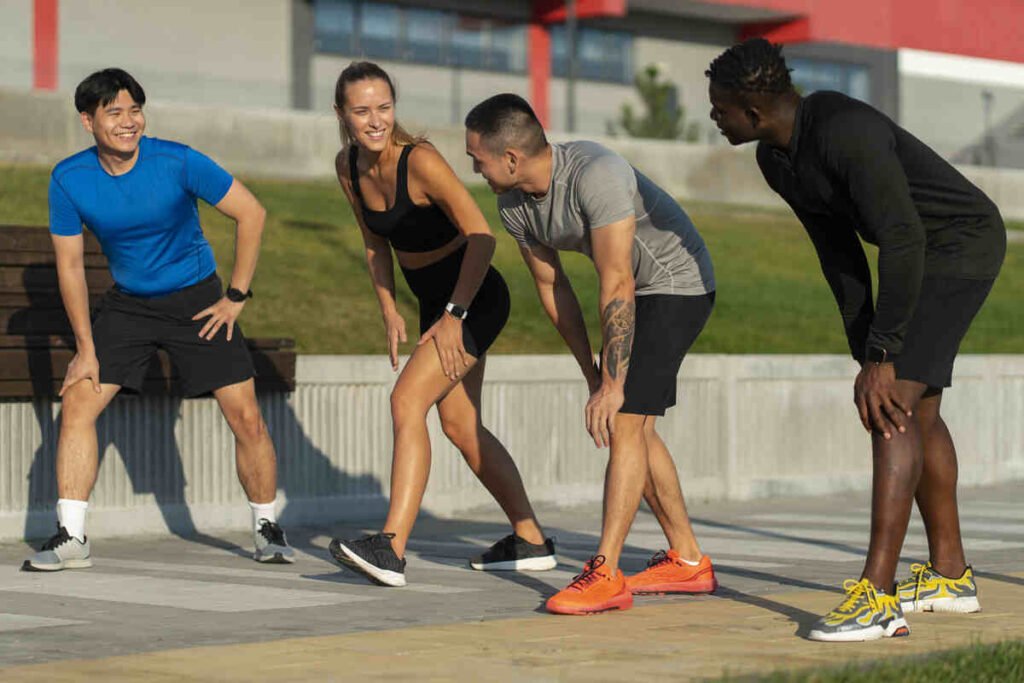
271,544
516,555
371,556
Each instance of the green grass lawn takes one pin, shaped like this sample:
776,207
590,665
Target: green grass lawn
999,663
312,282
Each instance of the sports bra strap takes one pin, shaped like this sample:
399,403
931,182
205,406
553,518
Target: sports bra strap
402,185
353,161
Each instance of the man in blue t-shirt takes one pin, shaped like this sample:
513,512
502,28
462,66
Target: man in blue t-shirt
138,196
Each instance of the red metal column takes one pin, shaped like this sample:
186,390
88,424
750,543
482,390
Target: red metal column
540,69
44,47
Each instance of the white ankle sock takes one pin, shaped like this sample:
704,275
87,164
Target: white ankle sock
262,511
71,515
692,563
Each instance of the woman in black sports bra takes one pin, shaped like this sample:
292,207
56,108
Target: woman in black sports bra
405,197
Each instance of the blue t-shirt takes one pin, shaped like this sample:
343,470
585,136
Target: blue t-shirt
146,220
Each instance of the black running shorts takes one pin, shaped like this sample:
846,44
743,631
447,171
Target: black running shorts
487,314
945,308
127,330
667,325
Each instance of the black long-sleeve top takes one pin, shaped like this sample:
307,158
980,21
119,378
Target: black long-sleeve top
850,170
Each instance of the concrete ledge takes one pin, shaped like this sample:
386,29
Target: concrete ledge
746,427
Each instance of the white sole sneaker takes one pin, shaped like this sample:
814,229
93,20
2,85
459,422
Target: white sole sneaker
384,577
531,564
896,628
30,566
955,605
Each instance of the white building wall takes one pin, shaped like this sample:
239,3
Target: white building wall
234,52
941,97
16,44
683,64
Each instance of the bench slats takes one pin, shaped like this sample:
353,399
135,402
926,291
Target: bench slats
36,343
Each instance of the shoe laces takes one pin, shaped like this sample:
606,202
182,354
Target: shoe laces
918,570
855,591
58,539
660,558
272,532
589,574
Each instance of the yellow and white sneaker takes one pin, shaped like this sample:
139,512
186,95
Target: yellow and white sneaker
866,614
926,590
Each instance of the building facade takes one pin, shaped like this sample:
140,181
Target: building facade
951,72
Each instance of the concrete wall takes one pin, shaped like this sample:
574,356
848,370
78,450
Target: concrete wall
187,50
442,96
43,128
941,100
16,44
746,427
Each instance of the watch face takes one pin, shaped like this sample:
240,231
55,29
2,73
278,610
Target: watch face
876,354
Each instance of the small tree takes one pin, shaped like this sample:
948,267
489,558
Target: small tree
664,118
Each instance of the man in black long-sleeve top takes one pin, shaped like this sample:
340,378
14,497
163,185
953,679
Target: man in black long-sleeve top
849,172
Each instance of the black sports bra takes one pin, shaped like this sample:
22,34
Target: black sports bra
408,227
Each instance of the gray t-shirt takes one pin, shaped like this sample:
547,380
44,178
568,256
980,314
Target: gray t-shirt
592,187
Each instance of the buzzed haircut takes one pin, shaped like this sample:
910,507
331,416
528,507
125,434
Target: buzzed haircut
755,66
101,88
507,120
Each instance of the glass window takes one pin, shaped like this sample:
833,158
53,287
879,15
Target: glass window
508,47
379,30
600,55
335,25
469,42
425,35
810,75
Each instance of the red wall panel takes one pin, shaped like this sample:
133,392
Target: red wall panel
976,28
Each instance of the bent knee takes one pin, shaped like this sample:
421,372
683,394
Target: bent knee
248,424
406,405
464,434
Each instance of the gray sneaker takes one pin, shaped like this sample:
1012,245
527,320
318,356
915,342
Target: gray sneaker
866,614
60,552
271,545
926,590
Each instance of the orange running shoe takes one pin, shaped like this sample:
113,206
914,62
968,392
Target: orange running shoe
667,573
593,590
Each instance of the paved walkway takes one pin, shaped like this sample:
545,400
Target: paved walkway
174,609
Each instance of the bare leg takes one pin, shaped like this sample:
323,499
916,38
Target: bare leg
624,482
665,497
77,449
485,455
896,472
936,491
255,460
421,385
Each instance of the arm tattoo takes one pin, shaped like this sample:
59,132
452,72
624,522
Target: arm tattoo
618,323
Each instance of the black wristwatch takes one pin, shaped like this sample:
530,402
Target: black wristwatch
456,311
876,354
237,295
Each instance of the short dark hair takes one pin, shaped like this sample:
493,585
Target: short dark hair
507,120
101,88
755,65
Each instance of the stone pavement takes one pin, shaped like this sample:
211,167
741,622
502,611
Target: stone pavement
197,609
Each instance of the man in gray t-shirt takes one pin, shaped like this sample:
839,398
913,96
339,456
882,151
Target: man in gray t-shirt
592,187
657,291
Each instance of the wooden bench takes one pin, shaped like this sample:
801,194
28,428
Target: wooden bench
36,342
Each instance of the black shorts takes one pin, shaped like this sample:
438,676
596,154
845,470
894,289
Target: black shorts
127,330
945,308
433,286
666,327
